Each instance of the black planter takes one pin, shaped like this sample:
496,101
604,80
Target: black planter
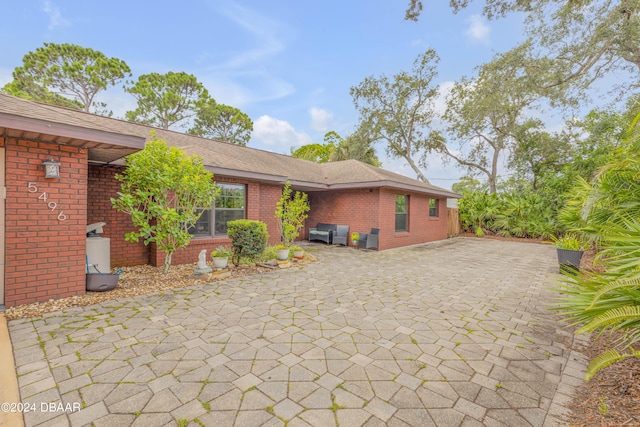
569,260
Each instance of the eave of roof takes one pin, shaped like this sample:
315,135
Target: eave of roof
34,125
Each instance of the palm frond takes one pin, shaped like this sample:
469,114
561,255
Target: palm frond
619,284
617,315
605,359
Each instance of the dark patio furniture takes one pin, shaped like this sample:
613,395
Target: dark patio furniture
362,240
323,232
372,239
341,235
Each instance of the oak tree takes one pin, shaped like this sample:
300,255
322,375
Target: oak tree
397,110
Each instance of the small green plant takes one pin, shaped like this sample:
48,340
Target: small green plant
206,406
291,212
499,385
570,242
270,410
603,407
221,252
182,422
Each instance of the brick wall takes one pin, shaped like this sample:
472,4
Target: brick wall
364,209
356,208
261,206
422,228
44,252
102,186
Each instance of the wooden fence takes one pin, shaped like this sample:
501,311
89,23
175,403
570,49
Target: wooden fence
453,222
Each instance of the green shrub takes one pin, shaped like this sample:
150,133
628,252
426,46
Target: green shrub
607,301
248,238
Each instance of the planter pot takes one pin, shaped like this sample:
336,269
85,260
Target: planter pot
283,254
298,254
569,260
221,262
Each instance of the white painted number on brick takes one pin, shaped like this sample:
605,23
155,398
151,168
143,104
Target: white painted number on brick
33,188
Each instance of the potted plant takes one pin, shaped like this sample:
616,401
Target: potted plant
570,249
283,253
220,257
354,238
298,252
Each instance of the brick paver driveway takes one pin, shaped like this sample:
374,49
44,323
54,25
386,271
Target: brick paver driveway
450,333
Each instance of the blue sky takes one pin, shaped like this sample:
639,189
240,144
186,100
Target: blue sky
288,64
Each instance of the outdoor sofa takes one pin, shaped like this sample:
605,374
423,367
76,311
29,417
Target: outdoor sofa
323,232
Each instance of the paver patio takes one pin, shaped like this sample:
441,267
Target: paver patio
448,333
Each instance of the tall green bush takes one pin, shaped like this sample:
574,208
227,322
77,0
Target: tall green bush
248,238
291,211
162,188
610,300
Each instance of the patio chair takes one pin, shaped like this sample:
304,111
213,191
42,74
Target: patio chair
322,232
372,239
340,236
362,240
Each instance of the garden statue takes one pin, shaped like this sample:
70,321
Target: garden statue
202,267
202,259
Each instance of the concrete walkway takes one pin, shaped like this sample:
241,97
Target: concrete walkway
449,333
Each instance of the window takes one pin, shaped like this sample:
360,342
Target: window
433,208
402,218
228,206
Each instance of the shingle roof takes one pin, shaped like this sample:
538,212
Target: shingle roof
223,158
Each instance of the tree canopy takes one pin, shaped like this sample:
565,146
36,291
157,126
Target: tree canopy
56,72
222,122
485,113
165,99
397,110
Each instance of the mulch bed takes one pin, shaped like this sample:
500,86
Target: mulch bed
612,396
139,280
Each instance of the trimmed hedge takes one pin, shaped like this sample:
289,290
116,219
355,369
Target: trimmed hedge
248,238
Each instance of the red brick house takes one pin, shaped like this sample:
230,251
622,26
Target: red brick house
43,220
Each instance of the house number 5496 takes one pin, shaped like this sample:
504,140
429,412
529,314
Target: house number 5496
33,188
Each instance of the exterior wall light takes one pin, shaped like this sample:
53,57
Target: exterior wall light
51,169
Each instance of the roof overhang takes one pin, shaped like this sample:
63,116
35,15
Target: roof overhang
397,185
234,173
103,146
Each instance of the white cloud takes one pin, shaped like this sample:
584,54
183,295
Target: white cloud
440,101
278,133
478,31
320,119
55,17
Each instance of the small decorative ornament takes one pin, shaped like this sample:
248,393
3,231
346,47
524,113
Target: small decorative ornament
51,169
202,270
